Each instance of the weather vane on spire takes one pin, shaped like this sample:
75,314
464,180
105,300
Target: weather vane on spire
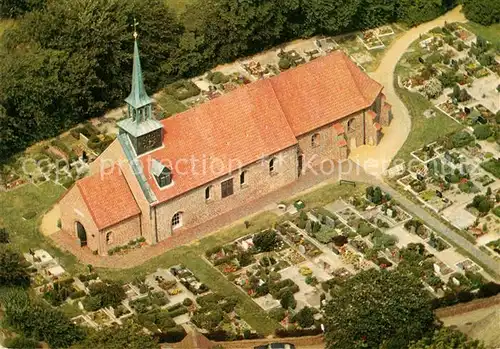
135,28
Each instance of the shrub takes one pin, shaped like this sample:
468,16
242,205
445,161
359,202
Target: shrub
217,78
183,89
277,314
187,302
482,131
288,300
21,342
265,241
284,63
92,303
461,139
77,294
305,317
339,240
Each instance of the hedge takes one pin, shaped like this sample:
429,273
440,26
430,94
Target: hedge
183,89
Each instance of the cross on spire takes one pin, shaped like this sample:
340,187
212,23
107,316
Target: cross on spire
135,24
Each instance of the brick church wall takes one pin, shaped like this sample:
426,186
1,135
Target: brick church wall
120,234
74,209
197,210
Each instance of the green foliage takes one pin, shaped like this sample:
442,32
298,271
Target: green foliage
305,317
413,12
482,131
277,314
492,166
183,89
265,241
461,139
106,293
13,268
485,12
4,236
130,336
17,8
21,342
38,321
284,63
288,300
393,311
447,337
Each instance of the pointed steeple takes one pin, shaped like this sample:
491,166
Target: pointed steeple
138,97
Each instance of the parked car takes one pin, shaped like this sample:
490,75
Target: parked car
276,346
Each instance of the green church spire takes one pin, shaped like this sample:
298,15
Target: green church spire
138,98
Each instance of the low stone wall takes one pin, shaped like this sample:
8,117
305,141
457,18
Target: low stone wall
299,342
468,307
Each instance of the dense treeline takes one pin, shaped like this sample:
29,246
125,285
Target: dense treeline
68,60
485,12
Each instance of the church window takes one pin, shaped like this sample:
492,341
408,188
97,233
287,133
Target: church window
243,178
350,124
315,140
177,220
272,166
109,237
227,188
208,192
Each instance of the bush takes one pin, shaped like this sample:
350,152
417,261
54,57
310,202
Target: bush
288,300
339,240
183,89
305,317
284,63
482,131
77,294
92,303
277,314
461,139
265,241
217,77
21,342
187,302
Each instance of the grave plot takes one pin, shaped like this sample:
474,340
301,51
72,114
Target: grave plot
299,241
428,152
415,226
468,265
188,280
244,252
468,282
327,44
216,313
494,246
370,40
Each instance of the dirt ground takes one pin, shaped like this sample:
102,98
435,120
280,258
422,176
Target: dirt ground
483,324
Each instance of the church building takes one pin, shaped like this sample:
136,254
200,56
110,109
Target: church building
159,178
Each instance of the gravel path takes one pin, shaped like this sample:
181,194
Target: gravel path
375,160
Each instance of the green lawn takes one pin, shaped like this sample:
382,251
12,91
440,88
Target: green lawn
423,130
490,33
24,233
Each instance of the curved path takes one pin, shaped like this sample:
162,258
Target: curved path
375,160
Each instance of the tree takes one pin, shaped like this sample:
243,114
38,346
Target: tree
288,300
448,338
482,131
330,17
485,12
109,293
265,241
13,271
378,307
374,13
433,88
413,12
305,317
130,336
38,320
17,8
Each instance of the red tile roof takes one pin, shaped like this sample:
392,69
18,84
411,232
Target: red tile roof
322,91
342,143
339,129
108,197
378,127
227,133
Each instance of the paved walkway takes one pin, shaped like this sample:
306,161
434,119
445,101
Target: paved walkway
376,160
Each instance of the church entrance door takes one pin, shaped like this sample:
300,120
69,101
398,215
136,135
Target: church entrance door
81,234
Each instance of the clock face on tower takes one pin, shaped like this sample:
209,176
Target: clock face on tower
149,142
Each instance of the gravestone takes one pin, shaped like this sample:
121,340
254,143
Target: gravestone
302,249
